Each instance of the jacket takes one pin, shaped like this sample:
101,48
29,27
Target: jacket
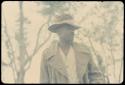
53,69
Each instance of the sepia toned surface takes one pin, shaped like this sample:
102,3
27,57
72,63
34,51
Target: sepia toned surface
101,30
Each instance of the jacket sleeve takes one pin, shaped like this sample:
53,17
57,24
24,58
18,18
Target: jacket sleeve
94,73
44,70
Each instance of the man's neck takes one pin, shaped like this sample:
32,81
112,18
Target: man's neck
65,44
65,47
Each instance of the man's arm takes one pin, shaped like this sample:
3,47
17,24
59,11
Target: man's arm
44,71
94,73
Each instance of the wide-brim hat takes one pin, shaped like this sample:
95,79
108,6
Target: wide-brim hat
56,27
61,22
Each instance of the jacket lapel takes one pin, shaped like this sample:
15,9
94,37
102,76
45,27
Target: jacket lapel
56,61
82,58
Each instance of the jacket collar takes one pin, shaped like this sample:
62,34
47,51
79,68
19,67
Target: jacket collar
81,56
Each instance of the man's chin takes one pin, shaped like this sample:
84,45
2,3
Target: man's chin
69,41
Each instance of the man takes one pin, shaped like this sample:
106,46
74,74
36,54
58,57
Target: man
66,61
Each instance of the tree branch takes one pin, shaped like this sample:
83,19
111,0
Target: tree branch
120,70
38,34
9,41
36,46
113,59
5,64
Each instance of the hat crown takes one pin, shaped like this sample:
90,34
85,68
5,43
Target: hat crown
62,18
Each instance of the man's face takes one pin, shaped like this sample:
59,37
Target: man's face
67,35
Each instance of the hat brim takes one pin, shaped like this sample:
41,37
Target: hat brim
56,27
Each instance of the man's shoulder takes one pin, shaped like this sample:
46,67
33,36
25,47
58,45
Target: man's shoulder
82,47
50,49
84,51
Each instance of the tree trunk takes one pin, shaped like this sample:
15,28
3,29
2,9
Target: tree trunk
21,72
20,78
